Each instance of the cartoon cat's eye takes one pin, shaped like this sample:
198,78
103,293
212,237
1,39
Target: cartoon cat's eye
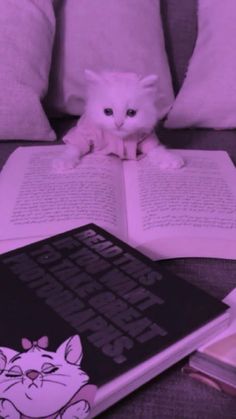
49,368
108,111
131,112
14,372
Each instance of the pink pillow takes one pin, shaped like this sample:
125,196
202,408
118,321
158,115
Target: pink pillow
208,95
26,39
113,35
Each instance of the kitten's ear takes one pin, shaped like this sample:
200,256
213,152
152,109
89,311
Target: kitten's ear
71,349
91,76
149,82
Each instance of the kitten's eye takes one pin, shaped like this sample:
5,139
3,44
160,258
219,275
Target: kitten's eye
14,372
108,111
49,368
131,112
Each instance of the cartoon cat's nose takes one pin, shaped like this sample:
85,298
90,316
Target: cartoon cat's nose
119,124
32,374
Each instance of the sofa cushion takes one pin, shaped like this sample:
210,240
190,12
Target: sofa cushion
26,40
124,35
208,95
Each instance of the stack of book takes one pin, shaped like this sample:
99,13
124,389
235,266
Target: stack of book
101,306
215,362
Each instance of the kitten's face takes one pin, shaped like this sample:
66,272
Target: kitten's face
38,382
122,103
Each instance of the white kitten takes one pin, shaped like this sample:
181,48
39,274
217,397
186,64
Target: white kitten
120,118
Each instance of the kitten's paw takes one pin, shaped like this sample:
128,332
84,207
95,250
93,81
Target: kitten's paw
78,410
171,161
165,159
68,159
7,410
63,164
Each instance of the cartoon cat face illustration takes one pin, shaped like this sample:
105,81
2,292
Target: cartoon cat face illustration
39,382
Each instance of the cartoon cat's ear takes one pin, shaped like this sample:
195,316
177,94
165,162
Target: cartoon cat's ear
91,76
149,82
72,350
5,355
3,361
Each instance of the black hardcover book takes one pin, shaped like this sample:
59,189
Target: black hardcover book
108,310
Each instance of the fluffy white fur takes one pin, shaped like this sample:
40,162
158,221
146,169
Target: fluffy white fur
121,92
120,118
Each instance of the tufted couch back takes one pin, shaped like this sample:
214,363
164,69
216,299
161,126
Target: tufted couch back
180,28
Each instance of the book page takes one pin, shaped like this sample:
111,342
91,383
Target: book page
36,201
197,201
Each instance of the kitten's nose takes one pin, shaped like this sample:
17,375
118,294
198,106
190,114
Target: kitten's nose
32,374
119,124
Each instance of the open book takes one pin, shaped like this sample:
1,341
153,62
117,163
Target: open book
190,212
